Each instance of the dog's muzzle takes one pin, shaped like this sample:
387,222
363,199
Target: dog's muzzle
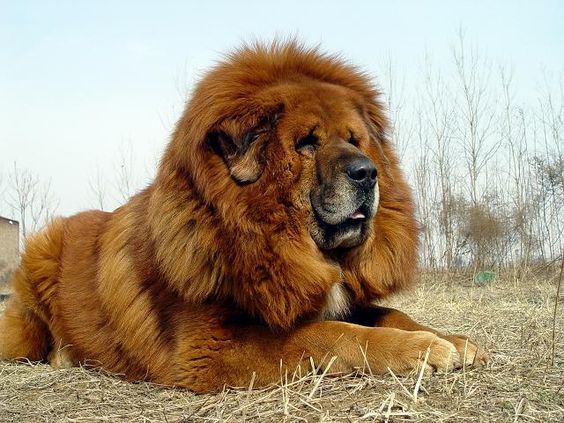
346,198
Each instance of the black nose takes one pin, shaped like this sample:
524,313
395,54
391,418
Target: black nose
362,170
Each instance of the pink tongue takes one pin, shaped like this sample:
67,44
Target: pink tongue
357,215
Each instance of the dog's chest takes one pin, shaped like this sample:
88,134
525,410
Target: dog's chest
337,303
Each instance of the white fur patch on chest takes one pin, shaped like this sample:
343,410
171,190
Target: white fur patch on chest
337,303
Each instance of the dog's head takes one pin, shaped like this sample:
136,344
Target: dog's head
290,145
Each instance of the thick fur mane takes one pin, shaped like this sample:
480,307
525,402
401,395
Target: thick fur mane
249,243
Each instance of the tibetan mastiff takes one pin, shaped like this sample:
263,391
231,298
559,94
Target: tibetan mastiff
278,217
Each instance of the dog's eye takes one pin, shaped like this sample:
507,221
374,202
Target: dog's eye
353,139
308,143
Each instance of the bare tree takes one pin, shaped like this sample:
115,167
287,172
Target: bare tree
125,169
476,107
98,188
402,129
549,165
513,131
439,115
424,194
30,199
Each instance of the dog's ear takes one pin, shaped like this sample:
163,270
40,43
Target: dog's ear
241,142
244,156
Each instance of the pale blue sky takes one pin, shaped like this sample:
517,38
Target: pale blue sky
80,78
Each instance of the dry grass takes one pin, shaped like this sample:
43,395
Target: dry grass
511,318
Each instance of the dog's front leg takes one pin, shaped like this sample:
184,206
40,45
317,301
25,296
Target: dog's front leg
375,316
235,356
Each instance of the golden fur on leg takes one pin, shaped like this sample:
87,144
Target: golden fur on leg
22,333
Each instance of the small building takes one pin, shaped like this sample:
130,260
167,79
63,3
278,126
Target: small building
9,247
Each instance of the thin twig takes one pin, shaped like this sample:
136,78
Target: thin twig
318,381
400,384
420,377
553,351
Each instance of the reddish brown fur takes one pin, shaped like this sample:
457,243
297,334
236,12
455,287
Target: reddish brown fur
200,281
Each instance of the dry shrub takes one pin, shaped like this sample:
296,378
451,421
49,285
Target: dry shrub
483,232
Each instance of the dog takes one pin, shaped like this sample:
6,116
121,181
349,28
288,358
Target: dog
279,216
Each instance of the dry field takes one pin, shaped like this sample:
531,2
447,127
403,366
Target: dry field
512,319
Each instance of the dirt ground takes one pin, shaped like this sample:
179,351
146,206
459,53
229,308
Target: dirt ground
512,318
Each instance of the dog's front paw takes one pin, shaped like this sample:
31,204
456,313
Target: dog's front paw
470,353
421,348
